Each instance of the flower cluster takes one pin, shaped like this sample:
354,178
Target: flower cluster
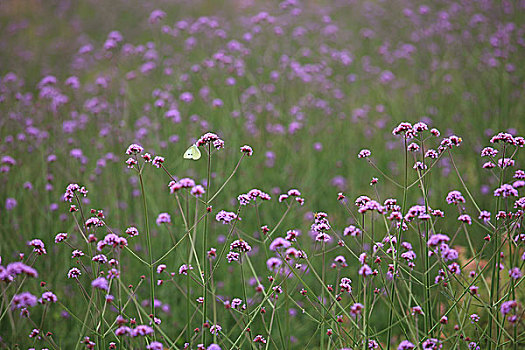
210,138
226,217
292,193
252,195
70,192
320,227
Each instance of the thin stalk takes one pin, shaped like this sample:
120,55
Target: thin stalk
392,288
322,295
150,253
204,245
494,290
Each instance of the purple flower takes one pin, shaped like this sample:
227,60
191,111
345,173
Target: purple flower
49,297
100,283
431,344
100,258
226,217
186,97
215,329
123,330
163,218
448,253
465,219
279,243
417,310
484,215
365,270
184,269
454,268
372,344
339,182
364,153
356,308
346,284
247,150
161,268
406,345
455,197
8,160
473,346
38,246
77,253
141,330
210,138
503,137
10,204
23,300
507,306
437,239
16,268
351,231
155,346
155,17
420,127
505,162
340,260
240,245
112,240
273,263
198,191
232,256
505,191
132,231
386,77
520,203
157,161
489,152
409,256
515,273
73,273
403,127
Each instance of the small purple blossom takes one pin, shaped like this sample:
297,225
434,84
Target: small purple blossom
100,283
507,306
163,218
406,345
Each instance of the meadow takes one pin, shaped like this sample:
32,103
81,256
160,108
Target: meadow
241,174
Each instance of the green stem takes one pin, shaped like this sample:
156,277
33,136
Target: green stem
394,273
204,246
150,253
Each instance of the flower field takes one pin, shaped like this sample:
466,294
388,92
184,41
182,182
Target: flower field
240,174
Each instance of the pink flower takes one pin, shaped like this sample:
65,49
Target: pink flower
155,17
163,218
279,243
100,283
157,161
455,197
247,150
364,153
134,149
198,191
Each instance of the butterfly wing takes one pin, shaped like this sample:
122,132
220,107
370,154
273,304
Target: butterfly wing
196,153
189,153
192,153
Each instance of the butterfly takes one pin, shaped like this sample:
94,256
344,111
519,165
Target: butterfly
192,153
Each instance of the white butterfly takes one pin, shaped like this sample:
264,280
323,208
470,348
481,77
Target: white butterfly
192,153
